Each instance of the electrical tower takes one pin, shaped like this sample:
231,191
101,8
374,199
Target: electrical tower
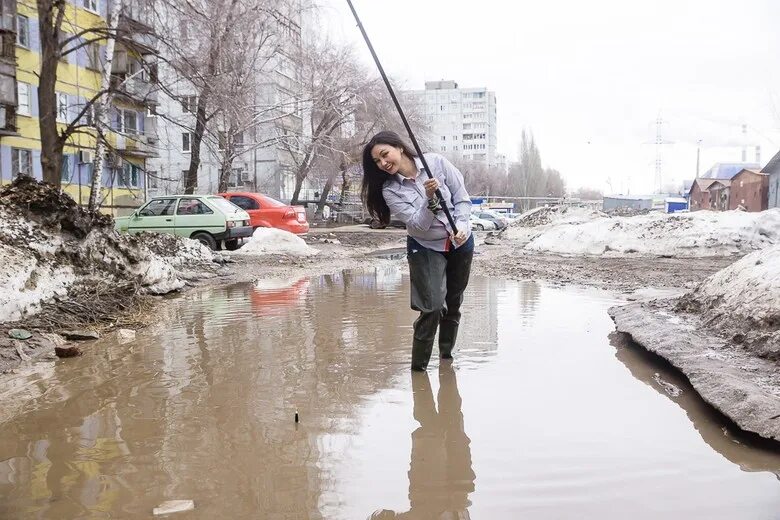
659,142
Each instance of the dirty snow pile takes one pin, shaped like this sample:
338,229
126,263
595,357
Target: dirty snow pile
697,234
743,300
267,241
49,246
546,215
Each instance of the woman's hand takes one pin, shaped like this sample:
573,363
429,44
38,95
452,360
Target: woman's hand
459,237
431,185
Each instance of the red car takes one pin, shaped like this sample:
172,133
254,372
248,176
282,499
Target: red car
267,212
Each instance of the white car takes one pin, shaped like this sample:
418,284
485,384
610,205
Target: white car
479,224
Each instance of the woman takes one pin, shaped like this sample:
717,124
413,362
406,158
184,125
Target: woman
439,257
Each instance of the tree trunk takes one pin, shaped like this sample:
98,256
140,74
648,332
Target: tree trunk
324,195
343,168
226,169
299,178
101,109
191,182
49,22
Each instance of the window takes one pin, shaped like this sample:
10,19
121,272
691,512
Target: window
186,141
129,121
192,207
244,203
21,162
22,31
189,104
91,5
151,111
235,177
65,169
454,137
444,138
8,117
63,47
153,179
129,175
443,148
455,148
89,116
158,208
221,140
62,107
93,56
24,98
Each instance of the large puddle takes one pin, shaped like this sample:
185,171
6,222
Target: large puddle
544,414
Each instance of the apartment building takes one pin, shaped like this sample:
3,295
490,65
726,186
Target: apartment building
78,80
462,121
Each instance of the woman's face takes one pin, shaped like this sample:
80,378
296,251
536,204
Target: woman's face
387,157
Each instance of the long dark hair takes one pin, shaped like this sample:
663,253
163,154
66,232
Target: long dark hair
374,178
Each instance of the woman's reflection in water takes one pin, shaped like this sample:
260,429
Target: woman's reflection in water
440,474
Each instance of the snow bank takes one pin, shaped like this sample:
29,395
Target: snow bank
266,241
546,215
748,289
49,246
699,234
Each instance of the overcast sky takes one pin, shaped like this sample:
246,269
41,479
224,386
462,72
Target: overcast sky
590,78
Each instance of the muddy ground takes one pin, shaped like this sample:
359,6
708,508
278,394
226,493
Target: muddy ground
357,247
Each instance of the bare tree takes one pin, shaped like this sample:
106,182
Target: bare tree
101,104
479,178
56,45
588,194
374,112
331,84
219,48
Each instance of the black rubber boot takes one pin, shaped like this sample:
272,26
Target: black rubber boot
448,333
421,354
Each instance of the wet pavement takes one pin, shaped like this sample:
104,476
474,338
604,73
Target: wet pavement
545,413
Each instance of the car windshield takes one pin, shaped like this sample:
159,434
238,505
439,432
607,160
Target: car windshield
225,206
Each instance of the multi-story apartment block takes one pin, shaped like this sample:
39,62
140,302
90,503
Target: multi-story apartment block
462,121
263,164
78,80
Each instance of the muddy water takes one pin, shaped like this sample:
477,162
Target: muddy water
543,414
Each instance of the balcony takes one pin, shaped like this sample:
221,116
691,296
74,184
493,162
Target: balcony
136,29
8,120
135,89
139,145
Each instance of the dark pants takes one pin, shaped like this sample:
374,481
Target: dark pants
438,281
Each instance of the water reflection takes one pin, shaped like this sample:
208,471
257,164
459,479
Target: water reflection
440,473
745,451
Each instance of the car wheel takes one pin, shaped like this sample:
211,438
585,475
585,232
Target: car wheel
479,227
231,245
206,239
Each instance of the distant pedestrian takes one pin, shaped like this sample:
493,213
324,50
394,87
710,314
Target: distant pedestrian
394,183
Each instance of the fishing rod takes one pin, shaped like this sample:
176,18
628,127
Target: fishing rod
417,148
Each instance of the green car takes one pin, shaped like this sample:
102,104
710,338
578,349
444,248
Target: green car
209,219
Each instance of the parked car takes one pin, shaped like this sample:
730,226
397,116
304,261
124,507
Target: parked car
500,221
267,212
209,219
375,224
479,224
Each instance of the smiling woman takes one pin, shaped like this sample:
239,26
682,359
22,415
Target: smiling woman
439,256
